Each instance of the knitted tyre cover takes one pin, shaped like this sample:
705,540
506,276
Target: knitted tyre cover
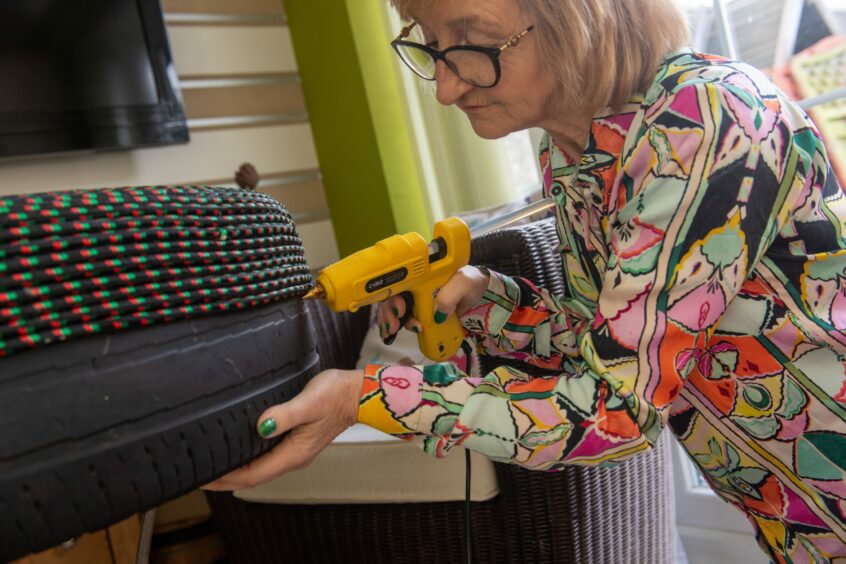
142,332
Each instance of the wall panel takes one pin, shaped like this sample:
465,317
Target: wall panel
240,84
216,50
212,154
284,98
319,241
233,7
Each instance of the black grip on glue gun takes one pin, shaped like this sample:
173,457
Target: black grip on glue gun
408,298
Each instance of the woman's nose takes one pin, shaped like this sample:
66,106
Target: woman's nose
450,87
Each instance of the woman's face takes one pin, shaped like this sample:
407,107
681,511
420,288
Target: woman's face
522,96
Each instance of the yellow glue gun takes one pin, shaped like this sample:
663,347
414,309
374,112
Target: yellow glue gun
403,263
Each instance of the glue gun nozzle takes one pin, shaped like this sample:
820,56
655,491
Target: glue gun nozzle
315,293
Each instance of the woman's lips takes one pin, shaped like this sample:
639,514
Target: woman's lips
473,108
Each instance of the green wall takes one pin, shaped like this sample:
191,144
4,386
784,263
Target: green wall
361,133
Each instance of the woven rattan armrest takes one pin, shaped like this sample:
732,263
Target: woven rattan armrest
580,515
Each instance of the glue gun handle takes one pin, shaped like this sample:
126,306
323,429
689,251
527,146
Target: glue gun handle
438,341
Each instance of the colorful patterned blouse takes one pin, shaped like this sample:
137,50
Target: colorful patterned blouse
703,245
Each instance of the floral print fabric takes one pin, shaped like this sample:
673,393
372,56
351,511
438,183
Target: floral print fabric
703,246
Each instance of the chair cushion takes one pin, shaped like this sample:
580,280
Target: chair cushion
404,349
377,468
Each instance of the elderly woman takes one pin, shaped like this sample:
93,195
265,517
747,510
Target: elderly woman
703,241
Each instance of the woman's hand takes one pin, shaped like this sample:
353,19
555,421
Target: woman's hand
325,408
462,292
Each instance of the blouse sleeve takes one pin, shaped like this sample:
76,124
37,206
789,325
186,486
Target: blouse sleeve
516,319
703,188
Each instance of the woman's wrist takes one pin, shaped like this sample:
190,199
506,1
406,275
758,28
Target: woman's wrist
480,278
352,381
494,306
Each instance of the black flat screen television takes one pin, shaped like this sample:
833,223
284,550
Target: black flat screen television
86,75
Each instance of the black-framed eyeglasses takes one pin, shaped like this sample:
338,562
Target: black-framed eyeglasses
476,65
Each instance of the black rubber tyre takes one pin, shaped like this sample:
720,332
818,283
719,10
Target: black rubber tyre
96,429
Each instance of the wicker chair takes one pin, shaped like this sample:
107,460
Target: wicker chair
580,515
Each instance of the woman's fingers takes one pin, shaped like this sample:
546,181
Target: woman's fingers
394,313
285,416
413,325
218,486
388,317
326,407
461,292
288,455
401,308
273,422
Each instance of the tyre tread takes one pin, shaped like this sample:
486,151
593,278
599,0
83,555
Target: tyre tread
86,482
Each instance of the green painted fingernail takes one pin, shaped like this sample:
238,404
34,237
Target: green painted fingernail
396,311
415,329
267,427
440,317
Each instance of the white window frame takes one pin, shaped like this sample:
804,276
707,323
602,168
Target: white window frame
711,529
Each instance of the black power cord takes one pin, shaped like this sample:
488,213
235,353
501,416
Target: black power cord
467,505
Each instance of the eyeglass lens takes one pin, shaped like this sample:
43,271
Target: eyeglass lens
473,66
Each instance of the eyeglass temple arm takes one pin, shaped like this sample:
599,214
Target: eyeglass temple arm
404,32
516,39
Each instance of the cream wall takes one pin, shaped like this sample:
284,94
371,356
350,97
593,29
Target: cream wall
239,81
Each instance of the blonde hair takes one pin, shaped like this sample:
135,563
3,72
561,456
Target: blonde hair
600,52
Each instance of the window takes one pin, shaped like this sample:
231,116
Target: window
768,34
